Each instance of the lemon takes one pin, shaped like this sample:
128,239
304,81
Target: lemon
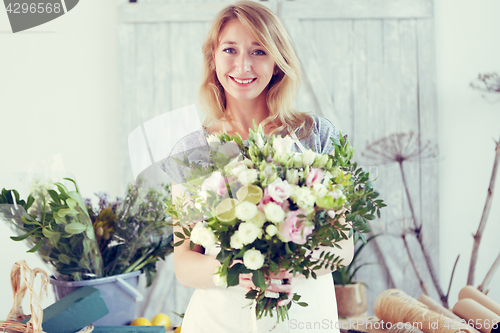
225,211
178,329
161,319
140,322
250,193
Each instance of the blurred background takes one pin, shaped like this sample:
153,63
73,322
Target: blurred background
73,89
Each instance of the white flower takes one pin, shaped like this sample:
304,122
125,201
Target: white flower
246,210
274,212
248,163
220,281
253,259
279,190
248,232
203,236
259,141
297,160
327,178
319,190
248,177
213,141
283,145
322,161
236,242
271,230
292,176
336,193
238,169
308,157
331,213
259,219
305,199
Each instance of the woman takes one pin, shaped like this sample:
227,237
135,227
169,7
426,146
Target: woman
251,73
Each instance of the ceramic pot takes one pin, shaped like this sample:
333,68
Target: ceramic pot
351,299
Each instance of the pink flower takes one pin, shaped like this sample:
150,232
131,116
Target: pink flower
279,190
215,183
266,198
315,176
294,229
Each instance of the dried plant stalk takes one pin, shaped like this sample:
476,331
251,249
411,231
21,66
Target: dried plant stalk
484,286
486,212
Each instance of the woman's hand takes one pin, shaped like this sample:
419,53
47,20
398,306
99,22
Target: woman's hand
283,282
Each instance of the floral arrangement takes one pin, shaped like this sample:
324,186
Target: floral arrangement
269,209
85,242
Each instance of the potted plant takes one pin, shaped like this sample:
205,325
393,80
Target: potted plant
106,247
350,294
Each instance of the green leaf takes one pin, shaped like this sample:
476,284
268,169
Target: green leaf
75,228
36,247
233,275
259,280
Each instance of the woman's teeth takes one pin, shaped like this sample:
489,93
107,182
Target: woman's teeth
242,81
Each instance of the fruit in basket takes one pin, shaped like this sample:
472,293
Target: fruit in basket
161,319
140,322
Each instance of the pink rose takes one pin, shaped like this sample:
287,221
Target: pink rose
315,176
294,229
279,190
215,183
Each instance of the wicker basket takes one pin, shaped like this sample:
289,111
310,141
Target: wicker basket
34,325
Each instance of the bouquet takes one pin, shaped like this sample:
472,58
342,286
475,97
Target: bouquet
269,209
85,242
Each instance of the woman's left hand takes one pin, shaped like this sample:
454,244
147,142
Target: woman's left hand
288,282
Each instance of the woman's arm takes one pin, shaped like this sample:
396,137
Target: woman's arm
193,269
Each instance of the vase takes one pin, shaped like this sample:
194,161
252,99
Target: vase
119,292
351,299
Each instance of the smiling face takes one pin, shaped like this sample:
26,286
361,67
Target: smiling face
243,67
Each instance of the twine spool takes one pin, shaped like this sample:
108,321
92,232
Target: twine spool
473,293
435,306
404,328
394,306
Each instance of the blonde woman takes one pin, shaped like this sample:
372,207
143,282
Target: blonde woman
251,73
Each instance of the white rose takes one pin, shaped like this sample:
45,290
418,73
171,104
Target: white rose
203,236
271,230
305,199
248,232
246,210
248,177
213,141
292,176
259,219
259,141
253,259
274,213
308,157
327,178
319,190
283,145
236,242
297,160
336,193
238,169
295,192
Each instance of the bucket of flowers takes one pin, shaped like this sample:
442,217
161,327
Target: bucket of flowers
106,246
270,209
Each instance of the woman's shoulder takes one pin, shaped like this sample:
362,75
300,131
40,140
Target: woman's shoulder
321,133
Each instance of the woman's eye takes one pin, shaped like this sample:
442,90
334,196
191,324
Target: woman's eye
229,50
260,52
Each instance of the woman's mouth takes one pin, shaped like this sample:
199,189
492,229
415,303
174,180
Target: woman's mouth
243,82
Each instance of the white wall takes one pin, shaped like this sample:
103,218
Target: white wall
467,44
58,95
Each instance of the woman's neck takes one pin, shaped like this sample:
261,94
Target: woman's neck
241,114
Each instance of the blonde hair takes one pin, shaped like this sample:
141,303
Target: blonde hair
266,28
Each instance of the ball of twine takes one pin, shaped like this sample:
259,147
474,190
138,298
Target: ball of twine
395,306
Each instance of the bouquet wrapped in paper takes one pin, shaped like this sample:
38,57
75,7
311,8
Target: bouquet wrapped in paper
269,209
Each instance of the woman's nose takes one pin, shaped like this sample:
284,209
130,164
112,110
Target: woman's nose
243,63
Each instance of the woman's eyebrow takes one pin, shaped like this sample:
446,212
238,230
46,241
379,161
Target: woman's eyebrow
234,43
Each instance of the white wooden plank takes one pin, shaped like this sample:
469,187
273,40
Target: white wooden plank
175,12
312,72
356,9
